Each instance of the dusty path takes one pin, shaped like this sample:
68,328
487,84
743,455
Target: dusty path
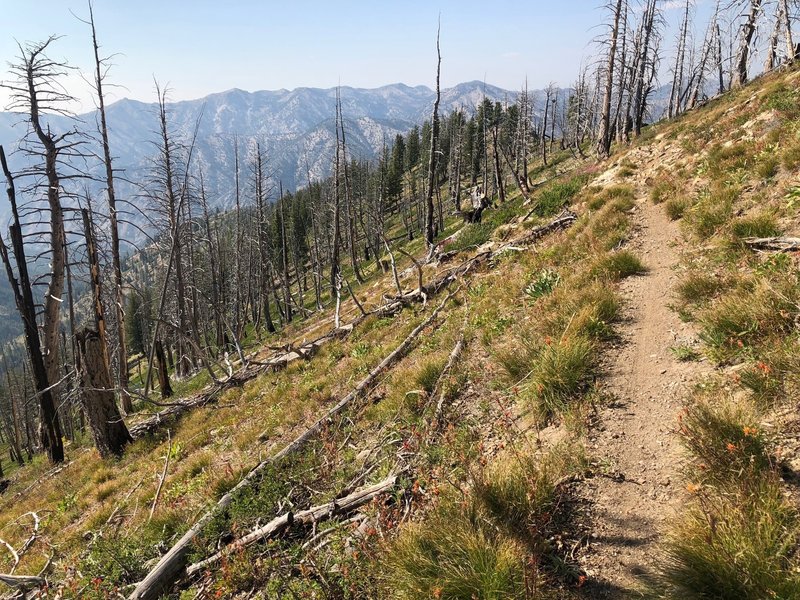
635,441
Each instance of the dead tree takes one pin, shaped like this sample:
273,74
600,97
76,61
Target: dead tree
791,51
748,30
604,134
432,159
262,233
36,89
101,68
105,422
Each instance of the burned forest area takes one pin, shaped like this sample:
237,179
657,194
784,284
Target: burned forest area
456,343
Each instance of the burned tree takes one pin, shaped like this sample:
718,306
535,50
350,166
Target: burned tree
429,215
108,429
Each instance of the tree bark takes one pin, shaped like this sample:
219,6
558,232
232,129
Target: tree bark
105,422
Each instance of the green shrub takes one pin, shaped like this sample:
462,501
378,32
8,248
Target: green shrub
558,194
697,287
455,554
712,212
544,283
472,236
663,189
428,374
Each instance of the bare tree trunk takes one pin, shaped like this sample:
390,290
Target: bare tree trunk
336,242
791,51
429,215
105,422
604,135
122,353
351,230
163,373
772,47
739,76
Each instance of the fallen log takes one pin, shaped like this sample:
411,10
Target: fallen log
22,582
173,563
337,507
276,363
448,368
774,244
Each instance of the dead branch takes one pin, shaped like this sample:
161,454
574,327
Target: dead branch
448,368
774,244
162,479
174,561
329,510
22,582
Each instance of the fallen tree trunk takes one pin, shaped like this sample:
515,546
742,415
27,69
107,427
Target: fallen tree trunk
276,363
22,582
448,368
775,244
337,507
171,565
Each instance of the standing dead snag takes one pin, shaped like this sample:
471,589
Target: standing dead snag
739,75
604,135
429,215
119,300
163,374
105,422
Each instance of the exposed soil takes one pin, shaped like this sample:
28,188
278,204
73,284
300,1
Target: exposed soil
634,441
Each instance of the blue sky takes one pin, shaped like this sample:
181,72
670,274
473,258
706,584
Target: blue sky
204,46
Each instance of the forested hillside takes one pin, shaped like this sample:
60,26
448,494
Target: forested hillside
538,347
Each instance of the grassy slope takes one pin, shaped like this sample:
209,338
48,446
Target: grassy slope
484,509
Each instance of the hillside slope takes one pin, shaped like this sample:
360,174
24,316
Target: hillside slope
594,403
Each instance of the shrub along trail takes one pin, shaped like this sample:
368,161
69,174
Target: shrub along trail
634,442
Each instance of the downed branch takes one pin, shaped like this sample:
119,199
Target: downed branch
448,368
22,582
277,363
334,508
774,244
169,568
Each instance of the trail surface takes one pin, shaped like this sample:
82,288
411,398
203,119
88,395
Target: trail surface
635,440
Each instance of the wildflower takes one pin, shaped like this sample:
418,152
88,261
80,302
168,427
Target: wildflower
692,488
730,447
437,592
764,367
748,431
581,580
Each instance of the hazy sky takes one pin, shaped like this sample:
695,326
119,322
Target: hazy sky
203,46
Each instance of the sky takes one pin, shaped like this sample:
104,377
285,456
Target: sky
202,46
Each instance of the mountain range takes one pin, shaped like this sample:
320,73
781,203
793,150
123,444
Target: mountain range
296,128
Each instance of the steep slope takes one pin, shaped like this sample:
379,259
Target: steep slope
527,441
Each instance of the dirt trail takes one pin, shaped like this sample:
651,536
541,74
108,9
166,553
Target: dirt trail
635,438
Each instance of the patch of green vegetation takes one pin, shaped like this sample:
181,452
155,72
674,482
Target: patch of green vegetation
562,371
726,546
684,353
543,284
558,194
487,542
619,265
676,207
760,225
